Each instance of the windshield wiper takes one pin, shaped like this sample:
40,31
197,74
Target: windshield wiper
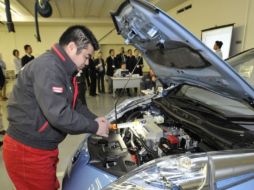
198,106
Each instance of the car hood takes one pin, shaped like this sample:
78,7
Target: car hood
176,56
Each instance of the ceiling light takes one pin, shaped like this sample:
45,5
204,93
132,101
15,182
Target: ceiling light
14,12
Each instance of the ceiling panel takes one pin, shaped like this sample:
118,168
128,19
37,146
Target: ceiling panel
28,5
79,8
85,9
96,7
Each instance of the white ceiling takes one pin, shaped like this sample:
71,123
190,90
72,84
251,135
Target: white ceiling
77,9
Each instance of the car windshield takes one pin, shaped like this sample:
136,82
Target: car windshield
226,106
244,65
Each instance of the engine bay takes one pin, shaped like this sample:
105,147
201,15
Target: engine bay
142,135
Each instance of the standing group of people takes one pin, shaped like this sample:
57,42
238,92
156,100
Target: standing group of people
92,77
132,63
18,62
21,62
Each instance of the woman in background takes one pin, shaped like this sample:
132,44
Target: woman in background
16,61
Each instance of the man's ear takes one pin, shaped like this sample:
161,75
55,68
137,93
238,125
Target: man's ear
71,48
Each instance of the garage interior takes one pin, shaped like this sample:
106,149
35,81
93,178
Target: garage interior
194,15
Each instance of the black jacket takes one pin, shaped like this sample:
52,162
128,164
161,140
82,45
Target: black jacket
26,59
44,93
97,62
130,63
120,58
111,64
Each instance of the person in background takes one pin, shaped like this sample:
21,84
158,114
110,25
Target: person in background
100,67
119,73
111,62
87,76
16,61
28,56
3,69
139,62
120,58
130,61
130,64
217,48
81,80
92,73
44,108
148,81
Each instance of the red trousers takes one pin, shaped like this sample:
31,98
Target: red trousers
30,168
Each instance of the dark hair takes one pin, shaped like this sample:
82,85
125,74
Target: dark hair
111,51
219,43
26,46
129,50
14,52
80,35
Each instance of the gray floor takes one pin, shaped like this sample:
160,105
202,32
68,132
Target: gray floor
100,105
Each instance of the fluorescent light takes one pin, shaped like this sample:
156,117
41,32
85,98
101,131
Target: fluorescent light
14,12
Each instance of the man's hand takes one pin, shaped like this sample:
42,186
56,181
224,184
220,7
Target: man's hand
103,129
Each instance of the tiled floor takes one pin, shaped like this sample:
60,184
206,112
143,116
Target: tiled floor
100,105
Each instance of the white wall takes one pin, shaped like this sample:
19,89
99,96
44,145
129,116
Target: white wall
249,36
206,14
49,35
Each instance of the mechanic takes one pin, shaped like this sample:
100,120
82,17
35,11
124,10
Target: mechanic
44,108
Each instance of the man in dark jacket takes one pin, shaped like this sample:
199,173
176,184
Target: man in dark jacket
28,57
81,80
139,62
100,67
111,65
92,74
120,58
44,108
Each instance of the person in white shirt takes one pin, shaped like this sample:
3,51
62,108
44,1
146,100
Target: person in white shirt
118,72
122,72
217,47
16,61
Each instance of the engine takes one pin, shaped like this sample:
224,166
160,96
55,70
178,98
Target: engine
153,136
142,136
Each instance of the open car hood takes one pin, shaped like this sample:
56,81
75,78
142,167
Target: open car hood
176,56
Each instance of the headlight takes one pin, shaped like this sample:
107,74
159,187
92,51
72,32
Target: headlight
172,172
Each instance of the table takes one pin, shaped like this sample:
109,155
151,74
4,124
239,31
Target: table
120,82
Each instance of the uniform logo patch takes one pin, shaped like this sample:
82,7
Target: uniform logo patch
57,89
